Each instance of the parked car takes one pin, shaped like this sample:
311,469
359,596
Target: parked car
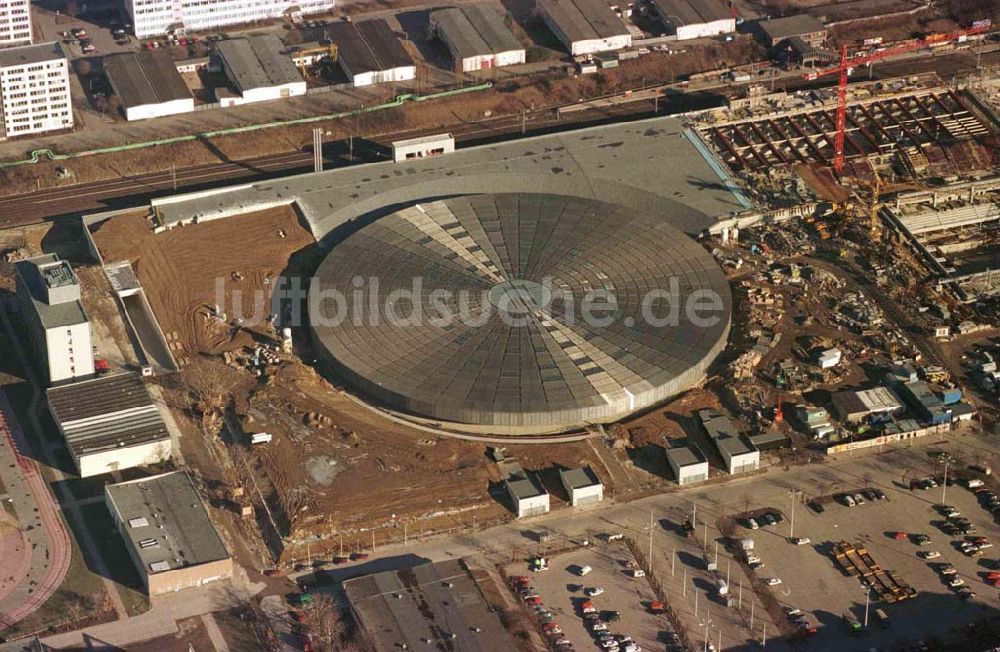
929,554
921,540
593,591
801,541
957,582
769,518
859,499
583,570
773,581
753,524
816,507
947,569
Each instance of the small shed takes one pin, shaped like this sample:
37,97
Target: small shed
687,462
582,485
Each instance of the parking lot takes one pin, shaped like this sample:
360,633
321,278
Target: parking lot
562,593
890,530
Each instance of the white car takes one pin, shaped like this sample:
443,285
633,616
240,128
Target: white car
583,570
929,554
753,524
801,541
773,581
592,592
957,582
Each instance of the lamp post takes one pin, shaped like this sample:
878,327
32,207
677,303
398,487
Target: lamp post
946,460
794,494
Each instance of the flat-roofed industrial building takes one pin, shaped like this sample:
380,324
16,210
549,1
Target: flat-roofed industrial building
582,486
803,26
687,462
855,406
168,532
369,53
737,451
148,84
110,423
430,606
695,18
259,69
56,323
585,26
477,37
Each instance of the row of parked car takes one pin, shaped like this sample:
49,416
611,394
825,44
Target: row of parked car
764,519
860,497
546,621
597,623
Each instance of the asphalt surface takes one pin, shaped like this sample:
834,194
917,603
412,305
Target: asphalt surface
72,201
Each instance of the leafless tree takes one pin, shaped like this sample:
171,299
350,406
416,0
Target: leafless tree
209,383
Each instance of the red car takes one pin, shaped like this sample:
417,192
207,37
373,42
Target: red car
520,579
533,600
993,575
359,556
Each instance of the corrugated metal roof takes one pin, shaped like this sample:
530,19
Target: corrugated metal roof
475,30
257,62
582,20
685,12
145,77
368,46
106,413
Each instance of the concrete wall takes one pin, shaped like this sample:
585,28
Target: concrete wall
69,352
586,495
188,577
702,30
689,474
147,111
529,506
123,458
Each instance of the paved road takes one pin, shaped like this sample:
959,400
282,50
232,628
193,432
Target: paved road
38,512
71,201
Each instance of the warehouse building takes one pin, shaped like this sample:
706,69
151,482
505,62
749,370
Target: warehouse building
369,53
259,69
804,26
109,423
585,26
148,84
15,22
687,462
56,323
582,486
34,90
433,606
477,37
855,407
926,402
694,18
737,451
168,532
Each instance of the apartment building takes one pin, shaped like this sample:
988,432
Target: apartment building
155,17
15,22
34,90
55,321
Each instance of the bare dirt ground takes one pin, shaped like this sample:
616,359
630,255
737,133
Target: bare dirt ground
508,97
180,269
334,467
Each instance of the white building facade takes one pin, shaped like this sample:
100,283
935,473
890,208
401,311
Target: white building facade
34,90
688,464
54,319
15,22
156,17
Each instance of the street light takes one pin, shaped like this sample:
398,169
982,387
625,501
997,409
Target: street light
945,459
793,493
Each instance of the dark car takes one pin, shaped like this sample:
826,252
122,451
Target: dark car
870,495
879,494
778,518
768,518
816,507
359,556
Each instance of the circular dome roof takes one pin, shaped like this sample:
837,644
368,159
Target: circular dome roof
519,313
